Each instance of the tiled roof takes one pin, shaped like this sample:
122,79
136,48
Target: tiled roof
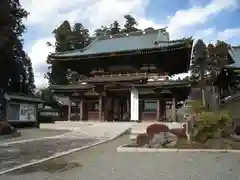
235,54
116,78
23,98
124,43
72,87
165,83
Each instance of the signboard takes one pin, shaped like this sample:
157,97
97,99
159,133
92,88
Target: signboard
27,112
134,105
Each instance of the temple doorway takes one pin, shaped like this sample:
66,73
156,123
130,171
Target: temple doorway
118,107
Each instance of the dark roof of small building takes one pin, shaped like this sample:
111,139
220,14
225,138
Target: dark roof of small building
23,98
72,86
120,43
235,54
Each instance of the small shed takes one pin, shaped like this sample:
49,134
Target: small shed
22,109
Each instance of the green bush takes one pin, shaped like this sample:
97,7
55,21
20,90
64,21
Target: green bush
212,125
197,106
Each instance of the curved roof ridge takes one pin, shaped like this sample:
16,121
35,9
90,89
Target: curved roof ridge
77,50
120,35
124,34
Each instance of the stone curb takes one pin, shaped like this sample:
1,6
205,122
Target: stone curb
57,155
132,149
15,134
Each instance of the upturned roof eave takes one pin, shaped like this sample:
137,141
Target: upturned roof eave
170,45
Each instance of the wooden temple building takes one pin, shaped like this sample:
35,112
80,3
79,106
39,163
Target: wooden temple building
126,77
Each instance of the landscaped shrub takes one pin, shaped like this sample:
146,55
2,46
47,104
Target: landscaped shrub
156,129
197,106
142,139
211,125
6,128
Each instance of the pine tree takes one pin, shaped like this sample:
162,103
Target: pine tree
103,31
11,47
115,28
30,87
80,35
63,42
130,24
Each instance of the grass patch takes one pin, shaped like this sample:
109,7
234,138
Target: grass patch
215,143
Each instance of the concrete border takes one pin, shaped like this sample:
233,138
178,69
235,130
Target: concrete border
57,155
137,149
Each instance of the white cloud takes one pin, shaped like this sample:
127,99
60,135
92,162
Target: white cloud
197,15
229,33
47,14
38,53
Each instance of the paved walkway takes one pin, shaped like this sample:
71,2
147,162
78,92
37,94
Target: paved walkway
17,153
104,163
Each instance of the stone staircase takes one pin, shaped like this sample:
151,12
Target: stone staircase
140,128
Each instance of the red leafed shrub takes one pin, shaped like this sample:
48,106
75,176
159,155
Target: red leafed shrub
142,139
156,129
6,128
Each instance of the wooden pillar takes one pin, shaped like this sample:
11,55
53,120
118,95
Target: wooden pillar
85,110
100,107
106,108
81,115
128,107
173,109
69,109
162,108
158,114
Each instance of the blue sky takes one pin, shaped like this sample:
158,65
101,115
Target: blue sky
207,19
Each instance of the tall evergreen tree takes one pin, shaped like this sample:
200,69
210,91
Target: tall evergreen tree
11,47
130,24
115,28
63,42
103,31
80,35
199,65
30,87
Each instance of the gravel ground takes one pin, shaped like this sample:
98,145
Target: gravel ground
34,133
104,163
21,153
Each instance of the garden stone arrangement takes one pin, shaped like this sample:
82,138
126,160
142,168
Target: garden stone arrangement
157,136
204,130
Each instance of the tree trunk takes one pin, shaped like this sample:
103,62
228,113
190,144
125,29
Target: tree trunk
202,85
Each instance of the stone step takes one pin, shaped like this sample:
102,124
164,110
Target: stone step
133,137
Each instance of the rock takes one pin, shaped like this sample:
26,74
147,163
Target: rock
6,129
161,139
158,140
142,139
